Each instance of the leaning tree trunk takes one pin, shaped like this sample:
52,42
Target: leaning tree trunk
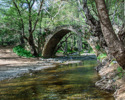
95,28
93,46
97,32
115,46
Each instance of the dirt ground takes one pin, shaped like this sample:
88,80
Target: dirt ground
12,65
8,58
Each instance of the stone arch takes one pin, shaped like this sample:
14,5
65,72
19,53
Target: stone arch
53,39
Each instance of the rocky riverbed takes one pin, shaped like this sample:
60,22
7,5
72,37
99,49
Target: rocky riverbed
12,65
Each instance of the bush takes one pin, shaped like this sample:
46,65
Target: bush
60,51
20,51
98,47
102,56
120,71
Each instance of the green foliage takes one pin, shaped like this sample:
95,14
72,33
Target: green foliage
102,56
20,51
70,51
120,71
60,51
98,47
55,13
90,50
112,62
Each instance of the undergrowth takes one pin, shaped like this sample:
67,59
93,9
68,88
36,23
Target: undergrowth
121,72
102,56
20,51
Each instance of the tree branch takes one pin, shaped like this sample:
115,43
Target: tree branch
41,4
19,12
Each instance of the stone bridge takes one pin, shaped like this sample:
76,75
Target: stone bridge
57,34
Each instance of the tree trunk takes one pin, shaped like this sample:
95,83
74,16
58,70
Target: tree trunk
95,26
121,34
93,44
115,46
31,39
66,47
21,40
32,44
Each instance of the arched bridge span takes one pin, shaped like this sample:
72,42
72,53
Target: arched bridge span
53,39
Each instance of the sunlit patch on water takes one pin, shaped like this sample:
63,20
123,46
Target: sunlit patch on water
65,82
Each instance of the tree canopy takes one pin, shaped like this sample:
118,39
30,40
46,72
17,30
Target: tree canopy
28,22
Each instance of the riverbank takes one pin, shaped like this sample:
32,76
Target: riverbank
112,79
12,66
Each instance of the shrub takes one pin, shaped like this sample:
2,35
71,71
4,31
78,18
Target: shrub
102,56
20,51
121,72
60,51
98,47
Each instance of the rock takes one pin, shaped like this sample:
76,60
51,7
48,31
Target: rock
115,62
110,81
105,84
105,61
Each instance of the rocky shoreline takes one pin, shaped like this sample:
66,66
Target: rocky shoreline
110,79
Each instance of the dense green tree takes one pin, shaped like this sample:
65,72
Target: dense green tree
30,21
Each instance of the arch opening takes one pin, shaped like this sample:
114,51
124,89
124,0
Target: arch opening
51,44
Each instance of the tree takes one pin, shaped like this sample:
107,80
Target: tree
9,25
115,46
28,7
96,36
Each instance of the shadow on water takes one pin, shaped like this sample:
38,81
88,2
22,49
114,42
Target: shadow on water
64,82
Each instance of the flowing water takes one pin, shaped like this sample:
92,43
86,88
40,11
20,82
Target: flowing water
64,82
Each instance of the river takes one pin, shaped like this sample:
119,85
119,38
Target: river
64,82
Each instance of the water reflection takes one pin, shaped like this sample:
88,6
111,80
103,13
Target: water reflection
69,82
